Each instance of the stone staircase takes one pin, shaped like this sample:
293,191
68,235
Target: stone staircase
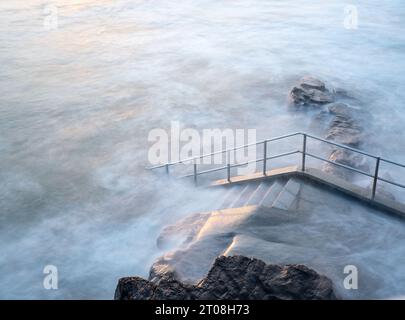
280,193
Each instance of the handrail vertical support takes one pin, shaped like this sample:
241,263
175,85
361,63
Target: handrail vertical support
264,157
228,167
377,167
304,151
195,173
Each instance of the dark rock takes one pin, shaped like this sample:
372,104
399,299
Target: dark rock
233,278
166,288
344,128
340,109
160,269
312,83
341,122
349,136
347,158
310,91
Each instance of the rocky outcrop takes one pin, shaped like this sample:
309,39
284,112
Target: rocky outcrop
347,158
233,278
344,127
342,122
310,92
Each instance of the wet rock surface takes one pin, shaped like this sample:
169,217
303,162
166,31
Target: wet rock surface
310,92
341,120
346,158
344,128
344,122
234,277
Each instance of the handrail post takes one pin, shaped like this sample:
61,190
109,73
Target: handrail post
304,151
264,157
377,167
228,167
167,168
195,172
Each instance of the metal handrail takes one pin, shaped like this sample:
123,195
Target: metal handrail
340,165
223,151
304,153
342,146
241,164
393,162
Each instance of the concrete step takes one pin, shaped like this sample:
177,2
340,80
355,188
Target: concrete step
271,194
259,193
288,195
245,195
230,196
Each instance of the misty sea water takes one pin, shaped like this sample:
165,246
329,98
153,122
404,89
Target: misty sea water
78,99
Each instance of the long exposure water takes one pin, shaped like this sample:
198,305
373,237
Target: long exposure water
78,99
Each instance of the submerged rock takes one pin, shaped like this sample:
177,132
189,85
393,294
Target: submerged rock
344,127
233,278
310,91
347,158
312,83
340,109
342,123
